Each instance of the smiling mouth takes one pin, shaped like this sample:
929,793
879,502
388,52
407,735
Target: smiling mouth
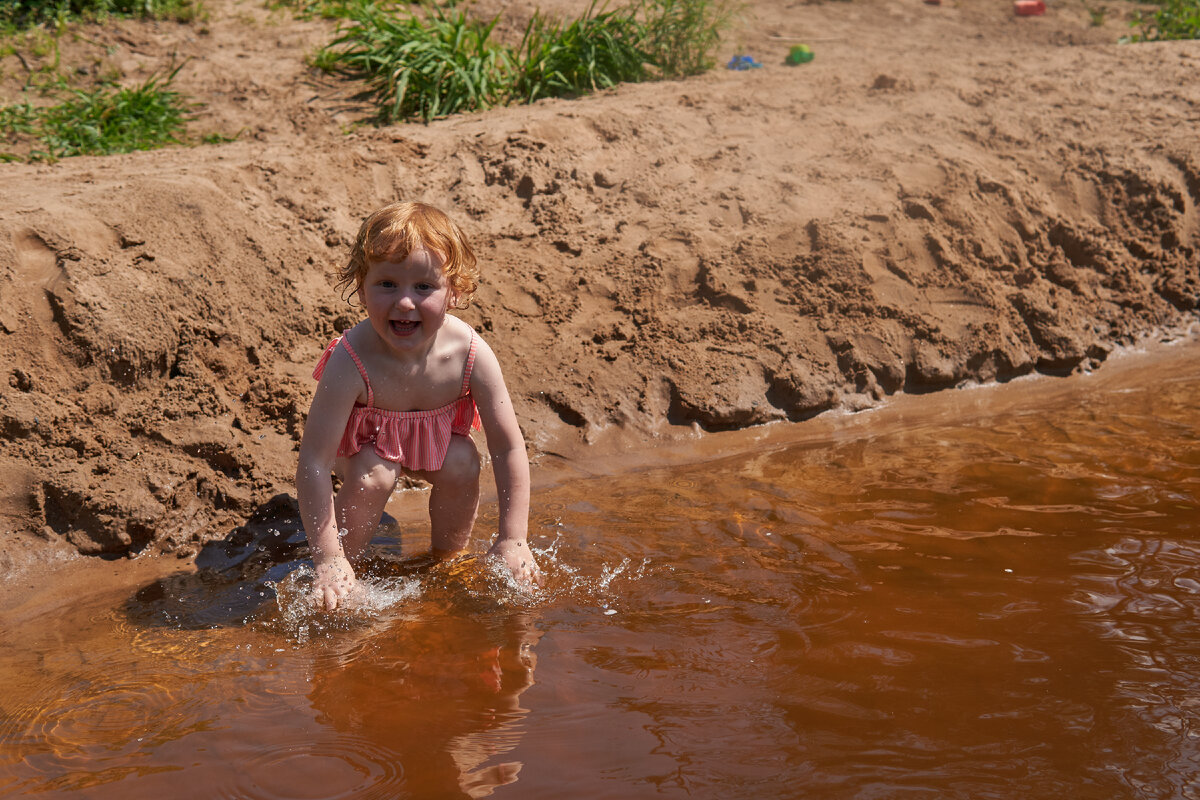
403,327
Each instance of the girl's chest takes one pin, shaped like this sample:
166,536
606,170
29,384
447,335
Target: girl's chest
423,387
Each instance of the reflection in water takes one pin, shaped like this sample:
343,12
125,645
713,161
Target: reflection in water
989,593
416,694
443,699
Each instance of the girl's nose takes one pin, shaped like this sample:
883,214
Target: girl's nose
406,302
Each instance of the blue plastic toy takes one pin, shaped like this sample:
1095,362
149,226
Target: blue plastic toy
741,63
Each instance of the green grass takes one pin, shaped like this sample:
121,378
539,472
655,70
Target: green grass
423,68
18,15
682,35
436,63
595,51
332,9
1174,19
99,122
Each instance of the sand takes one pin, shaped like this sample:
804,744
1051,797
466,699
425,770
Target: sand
946,194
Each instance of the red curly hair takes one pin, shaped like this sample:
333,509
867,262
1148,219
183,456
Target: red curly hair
393,232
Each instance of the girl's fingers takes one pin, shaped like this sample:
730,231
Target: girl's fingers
330,597
528,573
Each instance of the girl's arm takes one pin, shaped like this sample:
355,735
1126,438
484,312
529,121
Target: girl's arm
510,464
337,390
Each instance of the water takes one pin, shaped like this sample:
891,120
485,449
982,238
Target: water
991,593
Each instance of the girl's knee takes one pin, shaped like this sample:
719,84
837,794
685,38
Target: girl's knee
370,478
462,461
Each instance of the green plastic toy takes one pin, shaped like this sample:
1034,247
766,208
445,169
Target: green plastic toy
800,54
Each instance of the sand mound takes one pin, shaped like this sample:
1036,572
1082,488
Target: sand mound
945,193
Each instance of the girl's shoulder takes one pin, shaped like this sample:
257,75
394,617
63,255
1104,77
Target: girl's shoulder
354,343
470,345
462,335
340,366
459,326
350,335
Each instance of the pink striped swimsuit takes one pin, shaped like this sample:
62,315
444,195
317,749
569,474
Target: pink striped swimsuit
414,439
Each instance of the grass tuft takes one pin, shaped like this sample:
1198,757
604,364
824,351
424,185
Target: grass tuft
595,51
682,35
435,64
332,9
99,122
418,67
1174,19
23,14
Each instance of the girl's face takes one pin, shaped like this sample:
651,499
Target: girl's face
406,301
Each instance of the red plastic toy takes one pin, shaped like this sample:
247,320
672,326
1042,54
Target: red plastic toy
1029,8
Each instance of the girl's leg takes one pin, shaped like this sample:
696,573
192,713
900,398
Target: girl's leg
367,482
454,500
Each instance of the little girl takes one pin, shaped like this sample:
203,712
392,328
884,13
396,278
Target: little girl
400,392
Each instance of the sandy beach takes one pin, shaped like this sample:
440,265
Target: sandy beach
945,194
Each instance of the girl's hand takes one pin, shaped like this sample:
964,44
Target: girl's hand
335,583
517,556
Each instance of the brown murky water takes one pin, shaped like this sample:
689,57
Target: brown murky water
990,593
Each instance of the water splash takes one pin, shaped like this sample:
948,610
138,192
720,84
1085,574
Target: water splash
564,582
388,587
301,617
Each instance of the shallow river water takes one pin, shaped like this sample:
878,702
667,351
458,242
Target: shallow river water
988,593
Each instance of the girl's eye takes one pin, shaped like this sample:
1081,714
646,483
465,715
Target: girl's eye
387,284
424,287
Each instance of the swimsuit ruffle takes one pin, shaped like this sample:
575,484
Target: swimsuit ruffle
417,439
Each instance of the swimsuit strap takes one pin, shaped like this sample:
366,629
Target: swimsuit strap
466,384
361,369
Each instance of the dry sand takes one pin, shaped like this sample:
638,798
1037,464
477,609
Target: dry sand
947,193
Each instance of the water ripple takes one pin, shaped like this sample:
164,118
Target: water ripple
94,724
320,768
